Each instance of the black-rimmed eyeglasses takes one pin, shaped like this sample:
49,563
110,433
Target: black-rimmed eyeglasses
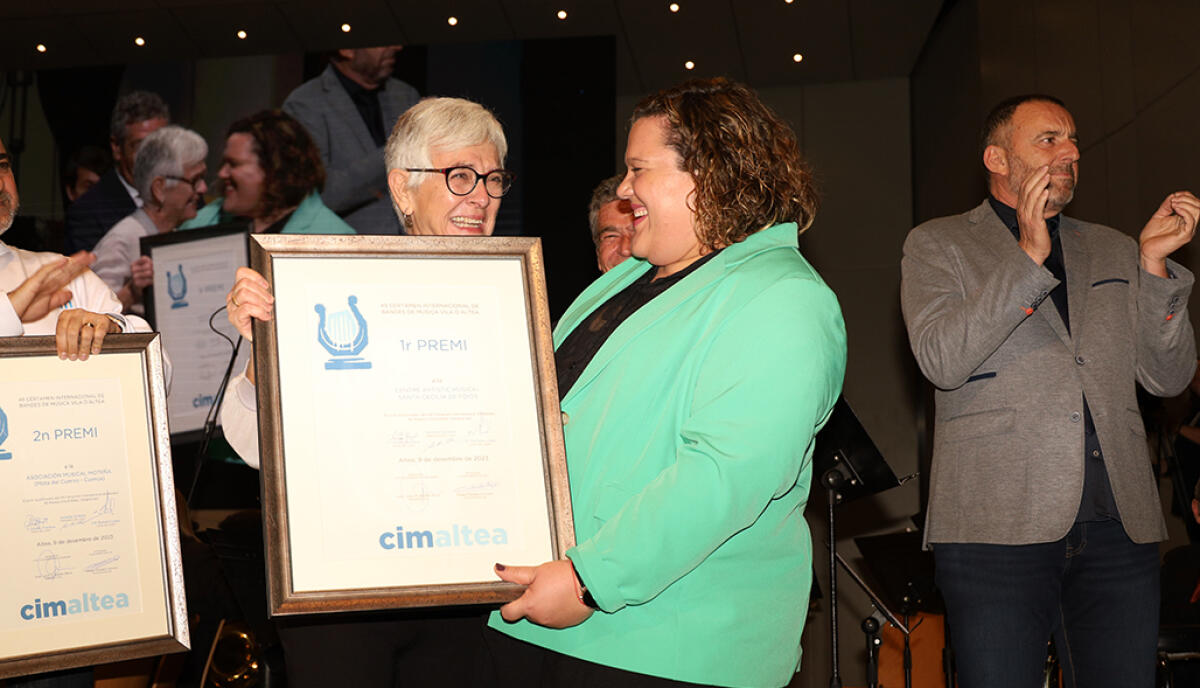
190,182
462,180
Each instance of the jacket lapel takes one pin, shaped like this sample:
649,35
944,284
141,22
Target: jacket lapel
1078,267
640,322
348,115
998,239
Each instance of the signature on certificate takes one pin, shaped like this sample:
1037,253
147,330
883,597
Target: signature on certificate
103,564
35,523
47,565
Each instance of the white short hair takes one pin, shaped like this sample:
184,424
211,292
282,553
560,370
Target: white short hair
441,123
164,153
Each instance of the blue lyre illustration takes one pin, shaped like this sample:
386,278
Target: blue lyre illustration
3,436
177,288
344,336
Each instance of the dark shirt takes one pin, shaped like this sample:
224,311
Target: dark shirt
578,349
1097,503
367,103
277,226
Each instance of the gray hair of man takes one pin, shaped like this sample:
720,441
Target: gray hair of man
165,153
134,107
604,193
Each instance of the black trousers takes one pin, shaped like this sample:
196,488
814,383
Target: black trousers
512,663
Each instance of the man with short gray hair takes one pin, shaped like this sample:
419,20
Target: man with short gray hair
611,220
136,115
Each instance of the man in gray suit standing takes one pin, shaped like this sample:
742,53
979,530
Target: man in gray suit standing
1035,329
349,110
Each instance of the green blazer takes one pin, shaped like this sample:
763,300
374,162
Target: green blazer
310,217
689,444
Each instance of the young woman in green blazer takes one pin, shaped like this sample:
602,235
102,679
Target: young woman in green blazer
693,380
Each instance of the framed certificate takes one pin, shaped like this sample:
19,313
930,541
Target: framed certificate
408,420
193,271
91,567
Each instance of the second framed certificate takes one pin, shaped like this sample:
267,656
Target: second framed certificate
193,271
408,420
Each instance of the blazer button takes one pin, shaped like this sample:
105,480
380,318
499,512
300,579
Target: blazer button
1079,360
1075,417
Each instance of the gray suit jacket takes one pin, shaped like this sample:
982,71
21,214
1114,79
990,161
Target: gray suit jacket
1009,433
355,175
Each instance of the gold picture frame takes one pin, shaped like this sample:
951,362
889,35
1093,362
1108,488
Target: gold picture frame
412,440
93,568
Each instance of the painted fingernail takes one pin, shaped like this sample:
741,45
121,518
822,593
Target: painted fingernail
500,567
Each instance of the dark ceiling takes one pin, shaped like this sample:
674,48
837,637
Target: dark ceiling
749,40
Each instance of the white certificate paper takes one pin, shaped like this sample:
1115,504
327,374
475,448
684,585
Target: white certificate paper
81,554
409,418
191,279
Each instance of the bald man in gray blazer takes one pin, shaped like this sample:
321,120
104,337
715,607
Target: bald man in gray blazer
1035,329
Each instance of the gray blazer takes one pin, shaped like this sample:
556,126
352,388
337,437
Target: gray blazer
1009,433
355,174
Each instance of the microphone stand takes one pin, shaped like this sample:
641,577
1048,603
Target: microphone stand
210,423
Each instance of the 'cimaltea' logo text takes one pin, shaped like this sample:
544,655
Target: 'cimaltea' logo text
87,603
456,536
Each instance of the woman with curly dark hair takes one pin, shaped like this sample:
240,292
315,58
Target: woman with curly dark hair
694,377
271,174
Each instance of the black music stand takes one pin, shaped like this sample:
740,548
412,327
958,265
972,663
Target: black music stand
849,466
904,572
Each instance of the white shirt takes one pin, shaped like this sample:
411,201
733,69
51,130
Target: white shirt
133,193
121,246
239,419
88,292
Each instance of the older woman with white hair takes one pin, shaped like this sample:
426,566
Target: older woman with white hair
169,173
438,154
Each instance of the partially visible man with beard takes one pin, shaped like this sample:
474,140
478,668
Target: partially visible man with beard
349,109
1036,329
47,293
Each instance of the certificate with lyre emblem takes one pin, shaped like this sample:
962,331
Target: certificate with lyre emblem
408,420
92,567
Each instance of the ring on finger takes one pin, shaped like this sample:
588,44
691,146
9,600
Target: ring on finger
234,300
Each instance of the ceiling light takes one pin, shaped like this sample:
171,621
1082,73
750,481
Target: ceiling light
788,1
139,41
241,34
674,7
41,47
797,57
689,65
562,14
345,28
452,21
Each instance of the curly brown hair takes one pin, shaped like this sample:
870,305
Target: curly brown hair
743,158
290,161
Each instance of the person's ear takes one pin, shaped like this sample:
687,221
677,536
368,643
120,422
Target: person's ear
995,159
401,194
158,191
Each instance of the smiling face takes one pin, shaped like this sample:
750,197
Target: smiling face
1040,134
613,240
664,229
242,176
433,209
179,199
9,199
